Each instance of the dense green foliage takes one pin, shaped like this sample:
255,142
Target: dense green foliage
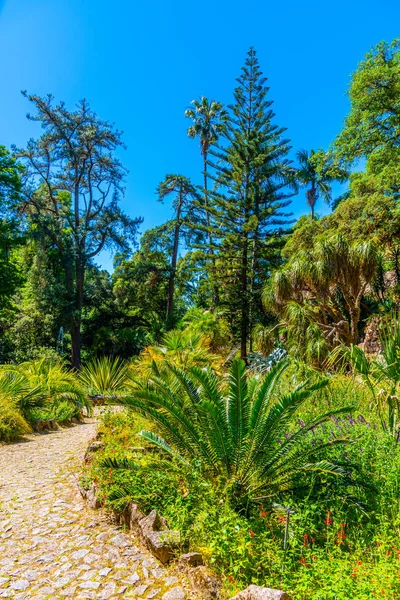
343,540
259,358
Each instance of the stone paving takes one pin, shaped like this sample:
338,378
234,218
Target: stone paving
52,545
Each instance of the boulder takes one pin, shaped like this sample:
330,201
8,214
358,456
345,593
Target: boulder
255,592
191,559
91,449
204,583
161,541
132,517
90,496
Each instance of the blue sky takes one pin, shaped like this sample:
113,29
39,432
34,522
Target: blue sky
140,63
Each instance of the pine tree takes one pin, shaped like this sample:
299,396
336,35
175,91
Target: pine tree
252,173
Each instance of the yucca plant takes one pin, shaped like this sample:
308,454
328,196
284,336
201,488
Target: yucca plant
105,376
235,429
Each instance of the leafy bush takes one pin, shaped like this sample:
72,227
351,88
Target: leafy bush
41,389
12,423
337,548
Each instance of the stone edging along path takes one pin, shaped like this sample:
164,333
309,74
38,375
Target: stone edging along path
52,545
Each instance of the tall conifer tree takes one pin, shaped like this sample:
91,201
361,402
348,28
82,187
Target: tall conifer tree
252,174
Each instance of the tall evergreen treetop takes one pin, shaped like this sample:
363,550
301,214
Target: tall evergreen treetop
252,173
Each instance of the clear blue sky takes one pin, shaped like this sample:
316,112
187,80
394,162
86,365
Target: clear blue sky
139,63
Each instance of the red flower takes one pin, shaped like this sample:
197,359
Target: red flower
303,562
252,534
263,514
305,539
359,562
231,578
282,519
328,520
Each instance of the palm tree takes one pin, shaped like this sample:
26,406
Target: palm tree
235,429
317,295
318,181
183,348
209,121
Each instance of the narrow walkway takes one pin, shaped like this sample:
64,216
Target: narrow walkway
51,544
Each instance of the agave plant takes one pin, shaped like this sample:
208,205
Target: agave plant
234,428
105,376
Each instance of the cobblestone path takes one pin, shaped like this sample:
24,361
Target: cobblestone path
51,544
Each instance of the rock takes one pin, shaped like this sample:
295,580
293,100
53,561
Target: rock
255,592
131,516
78,554
107,591
89,585
132,579
153,593
91,449
177,593
38,425
141,589
153,522
204,582
161,541
92,499
192,559
120,540
19,584
372,343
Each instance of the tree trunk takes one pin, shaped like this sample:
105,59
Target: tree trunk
171,283
354,319
215,295
244,325
77,315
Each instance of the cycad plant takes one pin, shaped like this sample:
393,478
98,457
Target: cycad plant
235,429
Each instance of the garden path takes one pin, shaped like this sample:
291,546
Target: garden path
51,544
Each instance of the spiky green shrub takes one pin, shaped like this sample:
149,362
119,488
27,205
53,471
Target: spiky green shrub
235,429
42,385
104,376
183,348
